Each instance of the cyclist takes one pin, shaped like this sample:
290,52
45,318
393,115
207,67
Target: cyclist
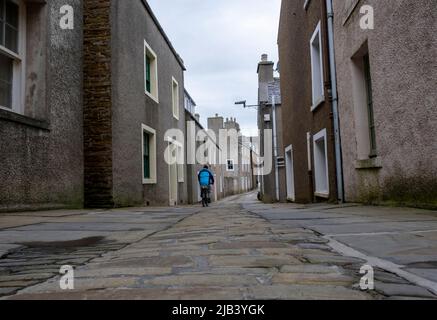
206,179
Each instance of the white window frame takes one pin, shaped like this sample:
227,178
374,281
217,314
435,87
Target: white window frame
175,98
317,137
19,62
154,94
317,100
290,177
227,165
153,174
181,163
180,157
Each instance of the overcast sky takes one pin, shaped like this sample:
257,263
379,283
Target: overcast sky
221,42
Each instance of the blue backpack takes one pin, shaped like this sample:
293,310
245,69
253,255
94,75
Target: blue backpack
205,177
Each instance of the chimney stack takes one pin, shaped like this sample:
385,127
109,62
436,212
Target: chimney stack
265,76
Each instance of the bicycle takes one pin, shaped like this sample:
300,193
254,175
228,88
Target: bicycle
205,196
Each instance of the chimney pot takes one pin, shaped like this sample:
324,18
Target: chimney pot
264,57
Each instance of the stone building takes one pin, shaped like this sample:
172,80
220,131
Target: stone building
41,109
85,111
307,110
387,100
238,171
125,126
272,182
195,134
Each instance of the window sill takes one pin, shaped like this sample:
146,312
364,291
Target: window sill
318,103
12,116
149,181
373,163
322,194
152,97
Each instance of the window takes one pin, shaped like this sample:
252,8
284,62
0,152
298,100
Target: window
369,94
9,13
321,165
175,98
149,154
6,74
150,72
317,68
10,55
230,165
363,105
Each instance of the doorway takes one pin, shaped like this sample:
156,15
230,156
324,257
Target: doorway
173,175
289,167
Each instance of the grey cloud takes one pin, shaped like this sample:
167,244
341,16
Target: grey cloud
221,43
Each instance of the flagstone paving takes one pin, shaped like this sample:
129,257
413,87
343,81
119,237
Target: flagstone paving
221,252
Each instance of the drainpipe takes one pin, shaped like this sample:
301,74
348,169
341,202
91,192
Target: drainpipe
338,157
275,149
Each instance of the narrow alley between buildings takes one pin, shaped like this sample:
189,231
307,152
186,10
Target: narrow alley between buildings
238,248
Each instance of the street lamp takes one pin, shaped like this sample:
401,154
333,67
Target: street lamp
243,103
275,138
251,148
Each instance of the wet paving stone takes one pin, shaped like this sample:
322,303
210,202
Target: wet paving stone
221,252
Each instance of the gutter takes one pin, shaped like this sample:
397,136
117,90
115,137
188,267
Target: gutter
337,137
161,30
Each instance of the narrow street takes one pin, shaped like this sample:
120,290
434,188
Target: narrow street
238,248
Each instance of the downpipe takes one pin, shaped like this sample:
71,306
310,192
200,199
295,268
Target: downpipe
275,149
337,137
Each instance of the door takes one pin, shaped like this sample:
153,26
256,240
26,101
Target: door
289,167
173,176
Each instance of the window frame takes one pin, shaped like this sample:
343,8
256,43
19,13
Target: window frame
154,91
180,164
18,62
227,165
316,138
373,152
152,161
317,101
175,98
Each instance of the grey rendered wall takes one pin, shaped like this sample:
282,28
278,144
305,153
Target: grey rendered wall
131,107
403,57
42,168
269,180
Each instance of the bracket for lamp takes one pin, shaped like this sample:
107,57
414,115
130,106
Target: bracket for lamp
244,104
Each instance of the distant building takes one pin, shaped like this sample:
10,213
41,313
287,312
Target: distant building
194,128
189,103
238,170
272,186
